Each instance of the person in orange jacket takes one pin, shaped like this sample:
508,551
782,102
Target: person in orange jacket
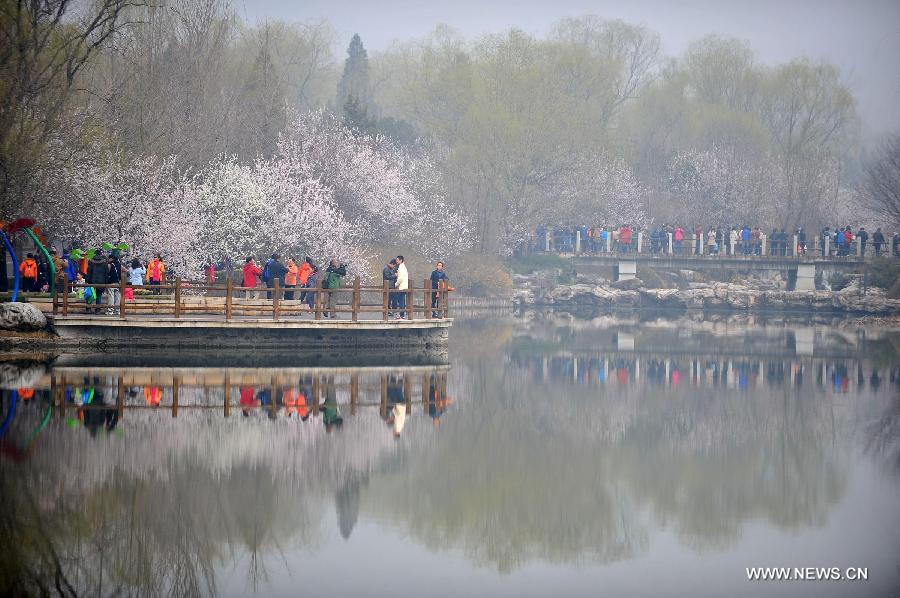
29,271
291,278
156,272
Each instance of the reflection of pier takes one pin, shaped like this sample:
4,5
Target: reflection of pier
289,391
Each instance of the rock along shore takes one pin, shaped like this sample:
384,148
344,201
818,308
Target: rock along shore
704,296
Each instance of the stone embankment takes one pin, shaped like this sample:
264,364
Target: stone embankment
704,296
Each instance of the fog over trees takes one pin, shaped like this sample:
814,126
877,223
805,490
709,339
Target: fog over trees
444,143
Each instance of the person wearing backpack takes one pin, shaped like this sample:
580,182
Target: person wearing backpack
333,275
29,271
96,275
274,269
113,276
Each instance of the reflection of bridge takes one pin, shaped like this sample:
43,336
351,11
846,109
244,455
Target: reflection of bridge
225,388
713,371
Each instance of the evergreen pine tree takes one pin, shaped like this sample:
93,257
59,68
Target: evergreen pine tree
354,82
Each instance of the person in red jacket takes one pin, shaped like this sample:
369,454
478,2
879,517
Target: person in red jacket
251,271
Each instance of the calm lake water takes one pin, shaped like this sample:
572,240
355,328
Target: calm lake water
550,455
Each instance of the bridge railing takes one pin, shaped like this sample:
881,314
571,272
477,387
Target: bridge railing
644,243
180,298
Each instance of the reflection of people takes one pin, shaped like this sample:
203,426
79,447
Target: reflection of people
99,415
153,395
398,418
247,401
437,404
331,415
396,403
295,401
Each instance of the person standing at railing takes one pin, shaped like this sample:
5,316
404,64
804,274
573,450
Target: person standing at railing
745,239
303,274
878,241
251,271
156,272
290,279
274,269
679,239
113,276
389,276
96,275
402,285
863,238
333,275
135,274
801,241
848,240
625,238
711,247
438,276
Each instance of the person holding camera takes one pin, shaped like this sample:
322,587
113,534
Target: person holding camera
333,275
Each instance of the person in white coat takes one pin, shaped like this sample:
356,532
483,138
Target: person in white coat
402,285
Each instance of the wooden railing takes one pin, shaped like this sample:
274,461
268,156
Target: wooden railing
180,298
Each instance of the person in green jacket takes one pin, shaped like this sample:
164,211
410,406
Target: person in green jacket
333,275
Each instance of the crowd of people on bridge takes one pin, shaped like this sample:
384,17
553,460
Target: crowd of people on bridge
737,240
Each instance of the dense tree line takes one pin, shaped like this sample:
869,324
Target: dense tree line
589,124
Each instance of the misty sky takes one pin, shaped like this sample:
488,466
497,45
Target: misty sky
862,37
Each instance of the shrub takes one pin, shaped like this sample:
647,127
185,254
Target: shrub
884,272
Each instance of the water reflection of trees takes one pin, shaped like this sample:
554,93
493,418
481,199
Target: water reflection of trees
162,506
563,473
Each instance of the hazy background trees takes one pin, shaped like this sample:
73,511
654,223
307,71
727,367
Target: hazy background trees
590,124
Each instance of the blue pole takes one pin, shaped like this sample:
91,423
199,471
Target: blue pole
15,261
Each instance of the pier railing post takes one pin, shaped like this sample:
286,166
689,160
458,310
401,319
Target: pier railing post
66,296
318,314
445,295
55,297
354,393
122,295
426,298
120,395
227,394
384,301
354,307
229,291
175,385
177,297
276,289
